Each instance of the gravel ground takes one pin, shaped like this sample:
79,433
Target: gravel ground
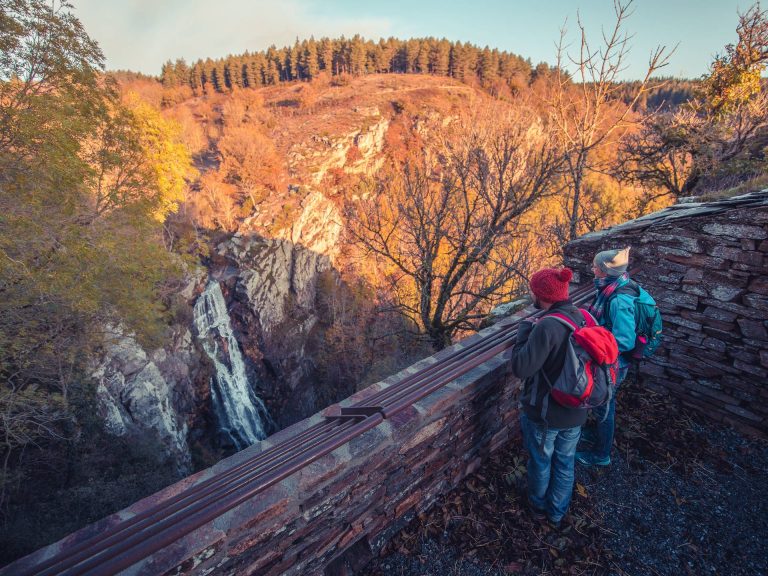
683,496
711,517
435,559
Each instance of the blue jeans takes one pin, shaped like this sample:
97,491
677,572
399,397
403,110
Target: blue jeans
550,466
606,423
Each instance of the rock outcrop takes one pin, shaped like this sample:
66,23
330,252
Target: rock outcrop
150,396
271,287
356,151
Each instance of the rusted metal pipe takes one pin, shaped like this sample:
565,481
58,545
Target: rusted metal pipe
118,559
214,503
177,502
142,535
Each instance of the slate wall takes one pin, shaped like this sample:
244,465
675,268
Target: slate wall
334,514
707,266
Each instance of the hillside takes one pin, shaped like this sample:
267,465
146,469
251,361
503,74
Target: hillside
193,263
273,146
305,136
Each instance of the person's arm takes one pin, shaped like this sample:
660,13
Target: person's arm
531,350
622,315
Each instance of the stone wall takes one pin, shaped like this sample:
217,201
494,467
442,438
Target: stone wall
336,512
706,264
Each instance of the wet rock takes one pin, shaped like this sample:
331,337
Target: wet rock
152,395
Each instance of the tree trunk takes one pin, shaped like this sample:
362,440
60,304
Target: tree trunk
439,338
574,215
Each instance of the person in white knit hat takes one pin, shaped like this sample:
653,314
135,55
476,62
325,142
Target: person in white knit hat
614,308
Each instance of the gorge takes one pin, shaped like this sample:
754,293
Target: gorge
197,266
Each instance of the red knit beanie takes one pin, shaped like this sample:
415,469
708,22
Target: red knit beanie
551,284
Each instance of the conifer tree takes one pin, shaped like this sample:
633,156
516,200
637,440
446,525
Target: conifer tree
325,54
206,77
379,63
357,55
422,60
390,54
168,75
311,62
292,62
181,70
228,71
258,68
486,68
273,73
440,58
217,77
195,77
411,54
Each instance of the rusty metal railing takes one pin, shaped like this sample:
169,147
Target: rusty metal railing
138,537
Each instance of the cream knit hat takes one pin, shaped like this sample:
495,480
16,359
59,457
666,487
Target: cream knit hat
613,262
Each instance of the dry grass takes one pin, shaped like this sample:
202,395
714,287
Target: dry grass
759,182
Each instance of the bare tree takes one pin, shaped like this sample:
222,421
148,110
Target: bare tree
694,148
589,112
719,136
659,157
445,229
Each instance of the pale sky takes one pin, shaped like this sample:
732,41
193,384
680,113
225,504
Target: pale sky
142,34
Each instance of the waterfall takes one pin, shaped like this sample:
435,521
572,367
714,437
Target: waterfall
242,416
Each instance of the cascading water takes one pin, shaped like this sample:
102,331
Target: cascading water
242,416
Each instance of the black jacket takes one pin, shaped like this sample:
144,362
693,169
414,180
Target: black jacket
541,347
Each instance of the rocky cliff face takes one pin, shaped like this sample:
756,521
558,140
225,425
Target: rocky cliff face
271,286
269,268
150,396
357,150
272,270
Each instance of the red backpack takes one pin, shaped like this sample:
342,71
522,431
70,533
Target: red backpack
589,373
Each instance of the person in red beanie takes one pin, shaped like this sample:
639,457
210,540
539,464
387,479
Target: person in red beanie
537,357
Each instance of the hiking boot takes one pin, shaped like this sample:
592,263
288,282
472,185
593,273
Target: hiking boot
554,524
592,459
536,513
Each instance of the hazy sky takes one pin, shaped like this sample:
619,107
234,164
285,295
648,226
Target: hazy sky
141,34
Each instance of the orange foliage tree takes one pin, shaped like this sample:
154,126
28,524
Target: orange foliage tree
444,230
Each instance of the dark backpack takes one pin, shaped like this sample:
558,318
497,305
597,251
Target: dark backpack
647,320
590,370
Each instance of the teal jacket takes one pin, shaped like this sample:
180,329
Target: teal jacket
620,320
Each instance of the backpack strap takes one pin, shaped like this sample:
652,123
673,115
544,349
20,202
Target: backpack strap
589,320
632,289
563,319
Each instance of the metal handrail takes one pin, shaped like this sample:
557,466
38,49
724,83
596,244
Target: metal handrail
138,537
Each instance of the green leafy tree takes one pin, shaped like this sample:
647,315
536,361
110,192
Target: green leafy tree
85,182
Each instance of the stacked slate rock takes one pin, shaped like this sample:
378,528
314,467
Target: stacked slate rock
706,264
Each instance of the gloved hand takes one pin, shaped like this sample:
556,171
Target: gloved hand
523,330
